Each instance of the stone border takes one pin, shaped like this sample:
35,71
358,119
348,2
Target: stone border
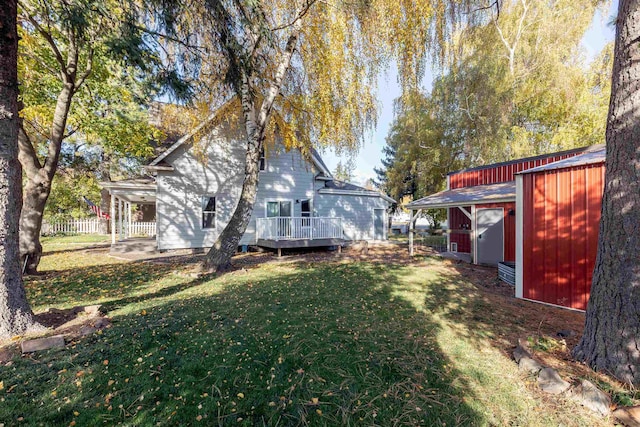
585,393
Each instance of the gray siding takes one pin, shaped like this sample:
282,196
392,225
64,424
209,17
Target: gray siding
356,213
179,192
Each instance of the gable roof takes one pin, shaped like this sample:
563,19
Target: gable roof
526,159
158,164
341,187
596,154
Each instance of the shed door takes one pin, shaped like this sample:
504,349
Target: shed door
378,224
489,223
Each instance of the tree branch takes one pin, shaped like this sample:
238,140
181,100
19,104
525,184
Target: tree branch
281,70
47,36
26,153
300,15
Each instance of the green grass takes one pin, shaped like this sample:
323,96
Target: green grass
281,344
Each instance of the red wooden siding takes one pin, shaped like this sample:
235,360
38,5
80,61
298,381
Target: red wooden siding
457,219
501,173
561,215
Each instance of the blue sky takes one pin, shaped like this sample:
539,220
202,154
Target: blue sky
370,154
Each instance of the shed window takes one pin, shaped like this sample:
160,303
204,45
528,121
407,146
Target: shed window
208,212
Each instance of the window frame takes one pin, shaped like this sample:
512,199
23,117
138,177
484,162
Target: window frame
266,208
204,202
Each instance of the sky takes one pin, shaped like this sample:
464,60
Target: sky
370,154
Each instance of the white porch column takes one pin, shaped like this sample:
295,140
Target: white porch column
113,219
412,225
128,219
474,235
120,219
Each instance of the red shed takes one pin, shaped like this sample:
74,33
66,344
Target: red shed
557,229
540,212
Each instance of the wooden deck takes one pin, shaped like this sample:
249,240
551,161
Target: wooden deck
300,243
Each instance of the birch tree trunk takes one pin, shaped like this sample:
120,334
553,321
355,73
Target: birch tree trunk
255,121
15,314
611,340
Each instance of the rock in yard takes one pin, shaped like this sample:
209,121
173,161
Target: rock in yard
589,396
629,416
550,382
93,310
529,365
519,353
101,323
42,343
87,330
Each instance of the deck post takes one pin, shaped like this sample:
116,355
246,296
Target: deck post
113,219
279,252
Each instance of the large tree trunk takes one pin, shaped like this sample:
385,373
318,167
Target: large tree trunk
15,314
36,193
39,179
219,256
611,340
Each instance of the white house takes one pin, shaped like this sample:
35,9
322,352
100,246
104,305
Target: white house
196,187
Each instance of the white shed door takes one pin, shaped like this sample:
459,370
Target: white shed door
490,235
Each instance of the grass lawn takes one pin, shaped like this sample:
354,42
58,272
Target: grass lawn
320,340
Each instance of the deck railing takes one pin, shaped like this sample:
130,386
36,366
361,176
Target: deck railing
298,228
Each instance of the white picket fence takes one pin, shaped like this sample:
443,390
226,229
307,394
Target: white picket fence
72,226
141,229
92,226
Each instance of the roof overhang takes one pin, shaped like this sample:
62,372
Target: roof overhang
131,191
503,192
156,168
356,193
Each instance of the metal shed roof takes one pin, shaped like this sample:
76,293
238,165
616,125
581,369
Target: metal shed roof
479,194
596,154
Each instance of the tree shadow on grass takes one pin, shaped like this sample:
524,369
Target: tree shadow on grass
101,283
306,344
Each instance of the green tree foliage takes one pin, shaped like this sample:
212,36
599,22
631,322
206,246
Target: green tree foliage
344,171
302,69
519,86
86,68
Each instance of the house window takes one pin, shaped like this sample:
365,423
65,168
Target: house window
208,212
280,208
305,208
262,161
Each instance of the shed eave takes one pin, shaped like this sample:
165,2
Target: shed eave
458,204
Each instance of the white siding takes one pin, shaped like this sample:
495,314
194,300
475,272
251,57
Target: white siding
356,213
179,192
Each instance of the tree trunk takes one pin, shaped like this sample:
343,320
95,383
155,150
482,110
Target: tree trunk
611,340
219,256
39,179
255,122
36,193
15,314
